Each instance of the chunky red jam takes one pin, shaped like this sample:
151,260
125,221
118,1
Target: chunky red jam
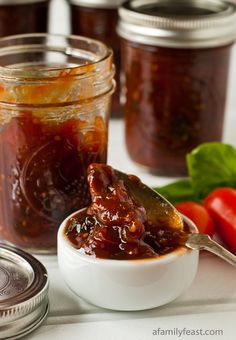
100,24
115,225
43,166
23,17
175,100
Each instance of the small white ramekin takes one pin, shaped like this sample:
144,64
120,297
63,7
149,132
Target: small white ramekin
127,284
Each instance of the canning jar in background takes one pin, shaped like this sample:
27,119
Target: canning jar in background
97,19
55,96
175,62
24,16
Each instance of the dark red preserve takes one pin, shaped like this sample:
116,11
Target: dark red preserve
43,176
175,73
53,125
177,104
115,225
98,19
26,16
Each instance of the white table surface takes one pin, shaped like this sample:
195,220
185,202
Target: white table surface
209,304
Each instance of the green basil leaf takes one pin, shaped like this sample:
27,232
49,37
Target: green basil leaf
179,191
212,165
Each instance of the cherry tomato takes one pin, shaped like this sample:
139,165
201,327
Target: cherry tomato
221,203
199,215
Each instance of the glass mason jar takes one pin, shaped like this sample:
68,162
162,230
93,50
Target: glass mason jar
55,94
24,16
98,19
175,62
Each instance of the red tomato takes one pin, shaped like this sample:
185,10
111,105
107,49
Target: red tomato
199,215
221,204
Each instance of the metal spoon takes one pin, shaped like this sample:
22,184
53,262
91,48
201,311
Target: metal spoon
160,211
204,242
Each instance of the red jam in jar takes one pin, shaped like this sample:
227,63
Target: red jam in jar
175,73
98,19
53,125
25,16
116,224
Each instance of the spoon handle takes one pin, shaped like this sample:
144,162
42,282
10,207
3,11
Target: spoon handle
203,241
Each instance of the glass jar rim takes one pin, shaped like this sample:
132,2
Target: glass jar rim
13,44
49,69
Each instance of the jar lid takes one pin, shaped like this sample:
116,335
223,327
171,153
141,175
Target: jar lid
186,24
20,2
97,3
23,293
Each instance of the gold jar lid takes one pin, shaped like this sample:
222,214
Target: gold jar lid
184,24
23,293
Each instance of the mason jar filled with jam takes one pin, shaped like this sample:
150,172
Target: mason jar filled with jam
55,94
175,63
24,16
97,19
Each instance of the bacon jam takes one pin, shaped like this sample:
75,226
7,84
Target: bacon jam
100,23
115,225
175,65
179,96
27,16
53,124
43,176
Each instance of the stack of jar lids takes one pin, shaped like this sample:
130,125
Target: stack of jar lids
23,293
